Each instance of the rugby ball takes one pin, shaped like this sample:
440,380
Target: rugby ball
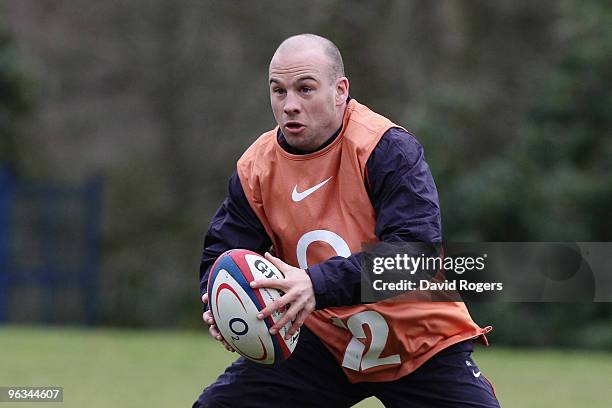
235,305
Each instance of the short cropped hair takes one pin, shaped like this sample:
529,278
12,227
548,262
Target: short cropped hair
336,65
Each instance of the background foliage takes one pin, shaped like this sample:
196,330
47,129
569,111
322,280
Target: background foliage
512,101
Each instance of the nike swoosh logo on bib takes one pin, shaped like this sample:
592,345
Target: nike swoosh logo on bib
297,196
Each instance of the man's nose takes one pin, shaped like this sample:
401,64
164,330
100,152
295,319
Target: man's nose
292,104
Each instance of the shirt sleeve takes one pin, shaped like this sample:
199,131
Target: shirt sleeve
404,196
234,225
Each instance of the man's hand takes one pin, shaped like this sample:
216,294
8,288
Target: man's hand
212,329
299,296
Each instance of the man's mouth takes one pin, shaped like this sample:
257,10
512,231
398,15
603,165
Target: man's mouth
294,127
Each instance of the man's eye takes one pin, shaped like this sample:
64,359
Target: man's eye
306,89
278,91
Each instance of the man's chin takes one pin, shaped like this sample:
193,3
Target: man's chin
300,142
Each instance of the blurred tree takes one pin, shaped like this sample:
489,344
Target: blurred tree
15,103
554,183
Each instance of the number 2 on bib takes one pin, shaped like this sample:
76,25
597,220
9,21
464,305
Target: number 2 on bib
354,358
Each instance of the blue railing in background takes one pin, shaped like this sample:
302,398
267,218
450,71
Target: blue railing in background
50,242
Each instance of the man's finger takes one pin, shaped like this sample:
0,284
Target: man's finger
297,323
214,332
277,305
208,318
287,317
205,298
270,283
227,346
280,265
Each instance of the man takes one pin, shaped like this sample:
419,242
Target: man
331,176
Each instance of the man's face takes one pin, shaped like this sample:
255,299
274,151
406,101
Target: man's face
306,103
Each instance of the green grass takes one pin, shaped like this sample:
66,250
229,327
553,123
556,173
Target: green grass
118,368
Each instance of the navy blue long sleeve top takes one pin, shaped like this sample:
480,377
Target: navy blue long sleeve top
400,187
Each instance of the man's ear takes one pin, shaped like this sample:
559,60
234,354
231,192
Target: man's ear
342,90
